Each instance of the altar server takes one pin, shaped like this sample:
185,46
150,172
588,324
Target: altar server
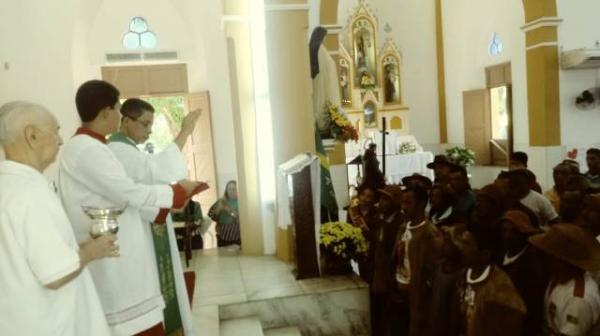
91,175
45,287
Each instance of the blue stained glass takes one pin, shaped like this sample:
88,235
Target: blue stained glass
138,25
148,40
496,46
131,40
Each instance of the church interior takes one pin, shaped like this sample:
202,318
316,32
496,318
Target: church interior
297,99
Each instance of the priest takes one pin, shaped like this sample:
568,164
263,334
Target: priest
45,287
91,175
166,166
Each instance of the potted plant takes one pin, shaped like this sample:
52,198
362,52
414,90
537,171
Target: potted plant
340,128
461,156
340,243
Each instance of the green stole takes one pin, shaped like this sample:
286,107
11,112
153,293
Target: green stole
162,250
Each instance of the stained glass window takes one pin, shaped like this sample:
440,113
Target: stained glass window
139,35
496,46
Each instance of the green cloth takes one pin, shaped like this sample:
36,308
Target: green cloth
225,217
327,192
162,251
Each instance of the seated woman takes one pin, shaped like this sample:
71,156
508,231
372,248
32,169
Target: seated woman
226,213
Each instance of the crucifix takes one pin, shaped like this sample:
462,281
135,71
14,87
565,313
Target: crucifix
383,135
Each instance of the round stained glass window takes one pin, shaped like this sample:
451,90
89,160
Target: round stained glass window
131,40
138,35
148,40
138,25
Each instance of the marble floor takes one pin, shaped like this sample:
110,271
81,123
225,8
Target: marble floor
224,276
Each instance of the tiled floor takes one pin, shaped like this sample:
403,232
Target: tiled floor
226,277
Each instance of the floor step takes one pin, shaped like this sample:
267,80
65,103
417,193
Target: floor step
288,331
241,327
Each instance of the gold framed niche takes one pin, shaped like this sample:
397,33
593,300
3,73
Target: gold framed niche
346,75
391,74
370,114
363,42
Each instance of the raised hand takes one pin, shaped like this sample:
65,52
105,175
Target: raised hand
190,121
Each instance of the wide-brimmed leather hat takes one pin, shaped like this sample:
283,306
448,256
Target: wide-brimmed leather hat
440,160
418,180
393,192
571,244
521,222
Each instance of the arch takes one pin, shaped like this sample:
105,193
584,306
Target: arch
542,67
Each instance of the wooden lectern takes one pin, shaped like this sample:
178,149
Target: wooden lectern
305,229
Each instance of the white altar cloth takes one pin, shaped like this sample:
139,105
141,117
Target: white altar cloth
399,166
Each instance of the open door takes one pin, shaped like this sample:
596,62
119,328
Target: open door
199,149
476,106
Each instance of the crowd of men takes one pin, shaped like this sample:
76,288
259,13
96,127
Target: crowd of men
445,259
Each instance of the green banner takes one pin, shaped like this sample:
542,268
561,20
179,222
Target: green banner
162,248
327,191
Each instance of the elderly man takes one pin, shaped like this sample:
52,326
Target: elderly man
90,174
164,167
44,284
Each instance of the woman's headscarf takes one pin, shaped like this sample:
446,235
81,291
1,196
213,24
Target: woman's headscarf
316,39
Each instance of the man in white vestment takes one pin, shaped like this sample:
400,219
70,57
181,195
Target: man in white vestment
91,175
45,287
164,167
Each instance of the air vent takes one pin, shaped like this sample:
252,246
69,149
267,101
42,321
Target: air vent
125,57
161,56
581,59
138,57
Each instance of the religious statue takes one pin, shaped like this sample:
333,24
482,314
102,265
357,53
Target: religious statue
324,79
390,83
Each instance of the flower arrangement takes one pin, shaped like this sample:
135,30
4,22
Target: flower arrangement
341,128
407,147
461,156
343,240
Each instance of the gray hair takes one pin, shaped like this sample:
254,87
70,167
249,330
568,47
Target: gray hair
16,115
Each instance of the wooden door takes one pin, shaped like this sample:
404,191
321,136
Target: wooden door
476,106
199,149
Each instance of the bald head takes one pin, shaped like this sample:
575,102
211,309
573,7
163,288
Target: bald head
29,134
16,116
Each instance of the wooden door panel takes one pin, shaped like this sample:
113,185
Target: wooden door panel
199,148
476,105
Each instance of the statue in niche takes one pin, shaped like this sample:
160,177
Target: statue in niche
370,111
324,79
364,51
345,85
391,83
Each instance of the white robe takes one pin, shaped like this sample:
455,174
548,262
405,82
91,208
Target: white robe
164,167
90,175
38,247
326,88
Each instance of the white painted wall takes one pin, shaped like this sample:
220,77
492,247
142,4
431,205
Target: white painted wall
413,31
580,29
35,45
52,48
468,29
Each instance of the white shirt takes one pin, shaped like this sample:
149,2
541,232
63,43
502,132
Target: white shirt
569,315
164,167
541,206
37,247
90,174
